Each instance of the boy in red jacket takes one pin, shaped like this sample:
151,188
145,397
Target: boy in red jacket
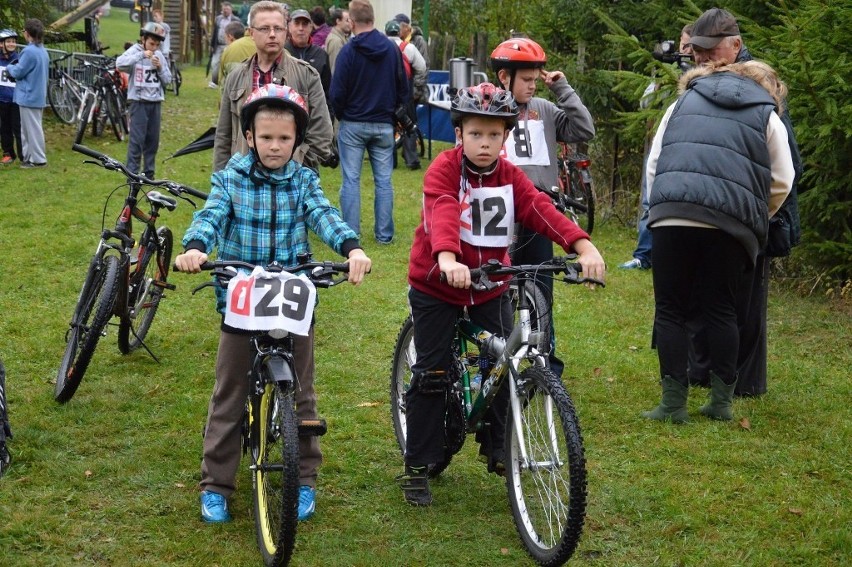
471,201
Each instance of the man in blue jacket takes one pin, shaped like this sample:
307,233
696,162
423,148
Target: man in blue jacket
368,86
30,74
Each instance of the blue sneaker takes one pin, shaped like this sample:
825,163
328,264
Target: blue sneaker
214,508
307,502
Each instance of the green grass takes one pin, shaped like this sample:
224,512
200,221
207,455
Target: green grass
111,477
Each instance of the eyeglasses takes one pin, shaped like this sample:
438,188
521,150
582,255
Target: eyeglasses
266,29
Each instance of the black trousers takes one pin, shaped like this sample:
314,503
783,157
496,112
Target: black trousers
697,275
434,330
10,130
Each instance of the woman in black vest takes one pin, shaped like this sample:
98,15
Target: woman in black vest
719,167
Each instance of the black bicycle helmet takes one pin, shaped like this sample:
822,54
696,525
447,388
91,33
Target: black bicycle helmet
280,96
484,99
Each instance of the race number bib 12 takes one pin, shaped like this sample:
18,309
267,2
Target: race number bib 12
263,301
488,217
527,144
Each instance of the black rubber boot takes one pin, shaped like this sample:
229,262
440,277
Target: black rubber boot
720,404
673,405
415,485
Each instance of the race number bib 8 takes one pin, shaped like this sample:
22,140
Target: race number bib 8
146,76
527,145
263,301
6,79
488,218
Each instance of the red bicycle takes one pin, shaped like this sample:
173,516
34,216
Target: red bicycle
574,195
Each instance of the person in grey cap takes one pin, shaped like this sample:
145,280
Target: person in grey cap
716,38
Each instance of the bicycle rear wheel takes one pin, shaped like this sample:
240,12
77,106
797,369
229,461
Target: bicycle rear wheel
274,446
115,115
91,315
177,79
147,284
547,491
84,120
404,356
62,101
581,200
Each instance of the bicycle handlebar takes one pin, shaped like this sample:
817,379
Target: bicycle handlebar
321,274
112,164
572,271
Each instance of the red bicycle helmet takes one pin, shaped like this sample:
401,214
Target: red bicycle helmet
484,99
518,53
154,30
280,96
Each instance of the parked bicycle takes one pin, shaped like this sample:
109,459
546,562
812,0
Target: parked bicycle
574,195
177,78
126,278
275,303
545,463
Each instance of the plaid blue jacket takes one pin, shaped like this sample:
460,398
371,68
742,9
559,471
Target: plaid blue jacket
259,217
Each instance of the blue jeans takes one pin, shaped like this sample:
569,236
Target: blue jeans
377,139
643,244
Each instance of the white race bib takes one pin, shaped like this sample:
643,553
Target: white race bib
263,301
146,76
527,144
488,217
5,78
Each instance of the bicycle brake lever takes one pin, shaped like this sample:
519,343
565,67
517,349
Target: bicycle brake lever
202,286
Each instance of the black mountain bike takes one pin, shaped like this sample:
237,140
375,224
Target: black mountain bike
126,278
574,195
545,463
271,430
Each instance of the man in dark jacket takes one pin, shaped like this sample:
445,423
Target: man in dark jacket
368,86
299,45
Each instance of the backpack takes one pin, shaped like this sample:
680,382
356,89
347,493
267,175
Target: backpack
405,62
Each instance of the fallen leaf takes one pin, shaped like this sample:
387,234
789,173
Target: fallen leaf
88,474
610,379
597,371
745,424
368,404
180,485
504,550
633,348
796,511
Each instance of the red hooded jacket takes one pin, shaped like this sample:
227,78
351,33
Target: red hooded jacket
477,224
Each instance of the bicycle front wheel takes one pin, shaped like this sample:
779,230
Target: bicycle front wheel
91,315
581,200
147,284
115,115
546,468
274,446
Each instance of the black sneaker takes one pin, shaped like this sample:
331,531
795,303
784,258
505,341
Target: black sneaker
415,486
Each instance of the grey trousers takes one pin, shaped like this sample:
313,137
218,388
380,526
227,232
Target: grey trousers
222,436
144,136
32,135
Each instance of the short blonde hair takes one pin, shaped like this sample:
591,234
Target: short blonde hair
757,71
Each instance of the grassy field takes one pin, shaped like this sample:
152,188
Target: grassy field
111,477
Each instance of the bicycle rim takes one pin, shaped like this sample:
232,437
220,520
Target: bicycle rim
61,101
404,356
275,480
581,193
547,493
116,118
84,121
92,313
146,283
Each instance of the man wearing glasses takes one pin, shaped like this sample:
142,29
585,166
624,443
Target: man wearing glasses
272,64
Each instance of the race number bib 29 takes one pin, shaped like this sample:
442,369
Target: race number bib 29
527,145
263,301
488,217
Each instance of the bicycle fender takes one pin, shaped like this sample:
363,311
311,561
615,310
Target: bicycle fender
279,369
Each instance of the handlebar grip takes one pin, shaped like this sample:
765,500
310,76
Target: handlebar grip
88,151
194,192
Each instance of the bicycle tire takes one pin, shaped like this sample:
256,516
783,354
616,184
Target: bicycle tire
91,314
547,495
580,191
99,118
84,121
274,446
147,283
177,79
62,101
114,115
404,356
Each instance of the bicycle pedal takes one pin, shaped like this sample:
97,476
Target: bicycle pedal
165,285
312,427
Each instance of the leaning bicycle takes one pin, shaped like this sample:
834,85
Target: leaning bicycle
273,303
544,457
126,278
